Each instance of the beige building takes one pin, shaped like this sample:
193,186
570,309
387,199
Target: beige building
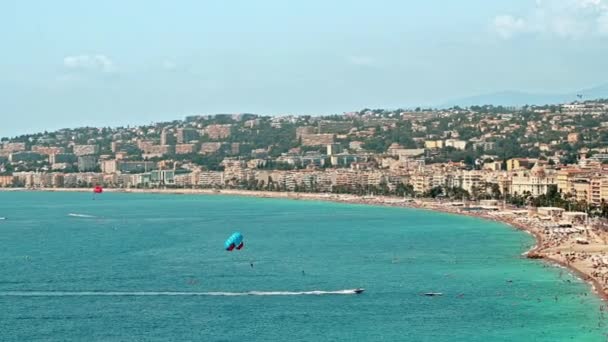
573,138
595,190
144,144
83,150
13,146
493,166
604,189
317,139
457,144
211,147
422,182
433,144
536,181
211,178
471,181
48,150
517,164
218,131
108,166
6,181
565,179
551,212
344,178
581,188
185,148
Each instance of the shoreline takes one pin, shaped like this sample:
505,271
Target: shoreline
543,249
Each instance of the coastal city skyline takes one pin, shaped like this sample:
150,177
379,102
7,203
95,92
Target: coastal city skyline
483,151
275,170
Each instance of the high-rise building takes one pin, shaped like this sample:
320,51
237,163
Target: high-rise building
235,148
333,149
62,158
167,137
185,135
87,163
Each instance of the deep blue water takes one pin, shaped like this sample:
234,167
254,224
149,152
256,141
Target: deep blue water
149,246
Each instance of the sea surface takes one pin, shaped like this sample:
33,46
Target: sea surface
146,267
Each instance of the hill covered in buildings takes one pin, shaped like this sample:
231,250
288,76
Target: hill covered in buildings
479,151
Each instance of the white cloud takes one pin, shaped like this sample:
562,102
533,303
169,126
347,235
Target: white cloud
589,3
89,62
361,60
507,26
571,19
169,65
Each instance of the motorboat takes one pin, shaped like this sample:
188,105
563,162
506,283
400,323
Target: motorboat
433,294
359,290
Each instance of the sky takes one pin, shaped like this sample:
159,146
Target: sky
110,63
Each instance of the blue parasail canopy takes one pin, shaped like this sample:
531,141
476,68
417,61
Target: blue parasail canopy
234,241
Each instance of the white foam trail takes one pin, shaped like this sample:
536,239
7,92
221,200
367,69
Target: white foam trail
166,293
81,215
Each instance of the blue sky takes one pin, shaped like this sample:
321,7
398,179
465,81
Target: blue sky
71,63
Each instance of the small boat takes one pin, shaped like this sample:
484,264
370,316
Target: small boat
359,291
433,294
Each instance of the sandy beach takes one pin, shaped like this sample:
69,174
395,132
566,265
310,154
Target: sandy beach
561,247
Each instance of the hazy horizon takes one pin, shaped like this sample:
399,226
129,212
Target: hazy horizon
70,65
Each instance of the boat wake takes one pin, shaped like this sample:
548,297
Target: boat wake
168,293
81,215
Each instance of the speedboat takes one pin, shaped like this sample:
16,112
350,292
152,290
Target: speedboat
359,290
433,294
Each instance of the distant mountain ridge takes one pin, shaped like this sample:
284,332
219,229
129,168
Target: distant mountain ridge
517,98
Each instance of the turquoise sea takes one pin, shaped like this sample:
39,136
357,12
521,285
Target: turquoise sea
145,267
